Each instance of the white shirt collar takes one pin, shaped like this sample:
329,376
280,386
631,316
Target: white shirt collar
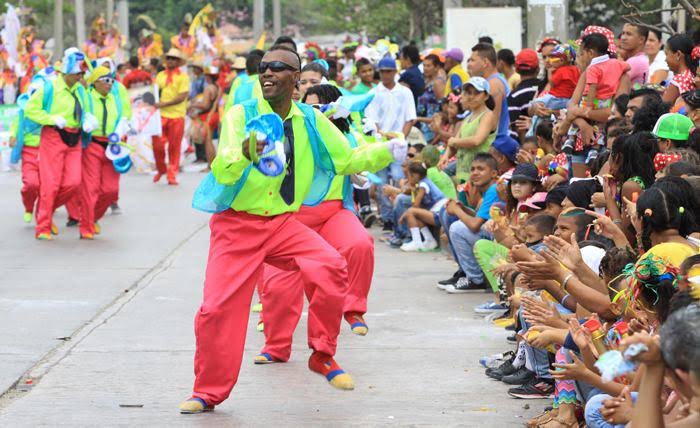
600,59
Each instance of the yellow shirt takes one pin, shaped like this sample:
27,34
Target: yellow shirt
169,91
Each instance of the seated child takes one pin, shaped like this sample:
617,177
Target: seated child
563,81
603,76
427,202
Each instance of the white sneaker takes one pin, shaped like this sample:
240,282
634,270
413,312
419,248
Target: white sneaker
411,246
429,245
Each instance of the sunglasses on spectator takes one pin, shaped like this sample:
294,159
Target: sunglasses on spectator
275,67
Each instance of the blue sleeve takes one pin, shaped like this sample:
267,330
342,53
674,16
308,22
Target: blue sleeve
455,81
490,197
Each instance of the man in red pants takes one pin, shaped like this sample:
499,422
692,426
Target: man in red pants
281,296
100,180
174,89
260,228
61,115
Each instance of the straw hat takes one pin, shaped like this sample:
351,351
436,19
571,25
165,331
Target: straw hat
175,53
239,63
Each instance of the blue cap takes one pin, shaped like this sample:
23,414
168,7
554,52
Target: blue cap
387,63
506,145
480,84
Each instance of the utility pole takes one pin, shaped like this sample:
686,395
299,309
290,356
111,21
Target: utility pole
110,12
258,18
80,23
123,17
277,17
58,28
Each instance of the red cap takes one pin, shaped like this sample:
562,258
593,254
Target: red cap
527,60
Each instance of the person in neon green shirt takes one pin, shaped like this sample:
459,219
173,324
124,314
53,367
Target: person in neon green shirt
247,86
334,221
61,116
260,228
100,180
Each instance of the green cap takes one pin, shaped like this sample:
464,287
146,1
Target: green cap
673,126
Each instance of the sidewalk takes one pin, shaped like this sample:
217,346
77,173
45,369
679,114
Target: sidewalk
417,366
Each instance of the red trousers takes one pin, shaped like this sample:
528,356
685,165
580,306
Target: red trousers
173,131
239,245
73,206
99,187
30,177
281,295
59,176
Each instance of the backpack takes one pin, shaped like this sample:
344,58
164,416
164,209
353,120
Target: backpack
213,197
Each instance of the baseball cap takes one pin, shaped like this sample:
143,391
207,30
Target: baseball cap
387,63
479,83
506,145
673,126
557,195
527,60
525,172
455,53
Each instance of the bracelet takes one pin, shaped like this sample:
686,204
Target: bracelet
566,280
563,300
617,222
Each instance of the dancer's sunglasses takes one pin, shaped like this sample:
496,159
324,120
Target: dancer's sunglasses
275,67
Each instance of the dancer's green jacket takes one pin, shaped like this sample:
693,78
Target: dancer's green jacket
260,194
63,104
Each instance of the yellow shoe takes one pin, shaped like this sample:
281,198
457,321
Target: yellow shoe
504,322
194,405
54,229
264,358
260,327
87,236
326,366
357,323
28,217
44,237
98,228
256,307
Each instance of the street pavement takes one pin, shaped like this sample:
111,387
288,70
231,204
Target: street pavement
101,332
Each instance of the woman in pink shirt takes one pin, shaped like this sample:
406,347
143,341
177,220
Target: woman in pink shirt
679,50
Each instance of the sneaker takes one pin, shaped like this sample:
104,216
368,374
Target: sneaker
116,210
71,222
520,377
504,369
464,286
369,219
490,307
452,281
395,242
388,226
411,247
494,361
512,338
429,246
536,388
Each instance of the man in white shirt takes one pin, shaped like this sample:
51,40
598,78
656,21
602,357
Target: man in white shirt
392,108
394,111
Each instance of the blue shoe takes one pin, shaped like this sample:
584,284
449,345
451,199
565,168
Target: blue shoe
395,242
490,307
